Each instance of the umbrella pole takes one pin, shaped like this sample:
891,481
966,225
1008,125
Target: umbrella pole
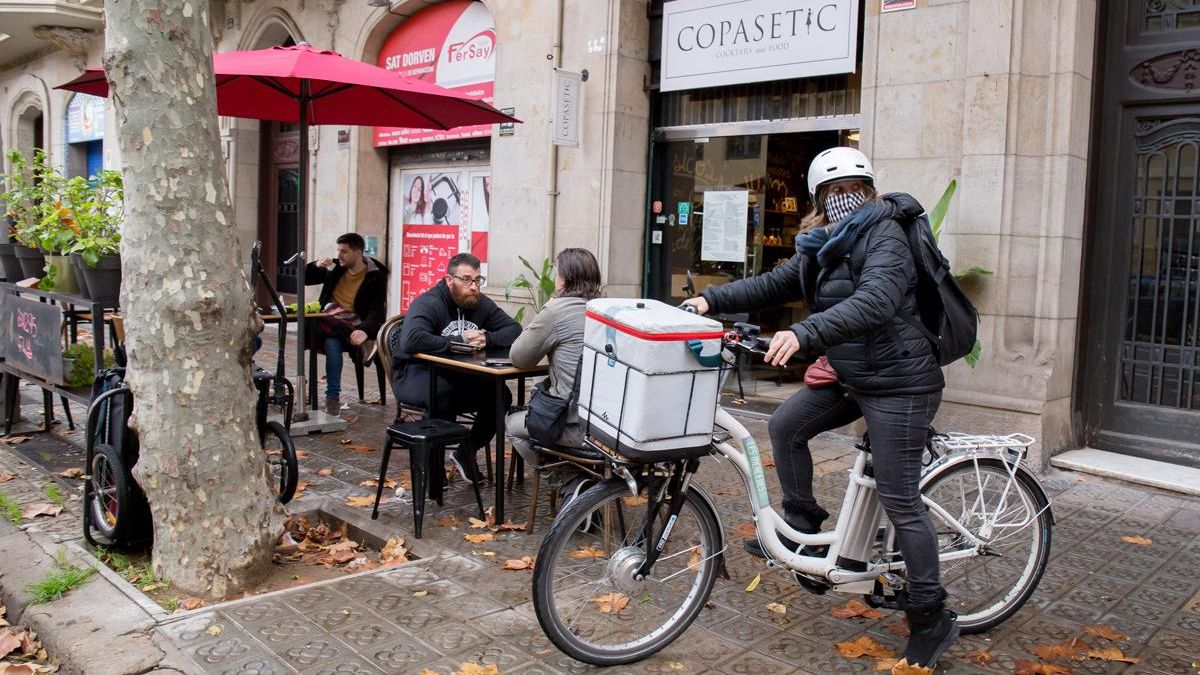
301,241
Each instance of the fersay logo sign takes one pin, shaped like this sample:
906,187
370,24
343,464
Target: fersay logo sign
706,43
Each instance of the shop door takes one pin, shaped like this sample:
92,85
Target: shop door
1141,390
280,188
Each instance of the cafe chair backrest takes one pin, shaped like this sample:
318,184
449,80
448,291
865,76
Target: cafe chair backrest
388,341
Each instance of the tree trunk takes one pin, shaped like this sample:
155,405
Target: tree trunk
188,310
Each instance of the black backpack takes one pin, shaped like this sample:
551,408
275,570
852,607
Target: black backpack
948,319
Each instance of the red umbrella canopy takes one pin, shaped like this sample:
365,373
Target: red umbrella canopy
266,84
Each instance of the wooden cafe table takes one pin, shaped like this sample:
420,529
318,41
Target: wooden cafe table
499,375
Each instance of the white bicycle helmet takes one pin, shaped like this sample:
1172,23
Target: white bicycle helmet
838,164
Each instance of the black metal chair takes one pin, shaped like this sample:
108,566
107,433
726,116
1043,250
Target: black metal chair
426,441
315,350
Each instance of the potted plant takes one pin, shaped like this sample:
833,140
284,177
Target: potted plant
23,209
97,248
540,288
8,252
79,364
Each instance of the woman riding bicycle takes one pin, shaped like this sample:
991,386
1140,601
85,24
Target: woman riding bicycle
854,268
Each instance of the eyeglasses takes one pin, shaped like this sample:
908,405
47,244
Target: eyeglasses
471,281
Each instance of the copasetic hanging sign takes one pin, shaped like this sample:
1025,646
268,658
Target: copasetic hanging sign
706,43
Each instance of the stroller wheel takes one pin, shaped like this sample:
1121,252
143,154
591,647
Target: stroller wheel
108,505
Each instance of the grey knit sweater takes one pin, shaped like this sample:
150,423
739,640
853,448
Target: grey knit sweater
557,332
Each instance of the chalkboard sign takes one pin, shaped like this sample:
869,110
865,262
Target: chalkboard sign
32,336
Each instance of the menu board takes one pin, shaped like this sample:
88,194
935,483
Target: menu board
724,236
31,336
425,250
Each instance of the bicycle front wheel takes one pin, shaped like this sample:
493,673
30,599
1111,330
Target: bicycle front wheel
282,468
585,591
1012,519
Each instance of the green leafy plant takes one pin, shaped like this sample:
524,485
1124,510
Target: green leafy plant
936,216
539,286
83,356
64,579
10,509
21,201
98,205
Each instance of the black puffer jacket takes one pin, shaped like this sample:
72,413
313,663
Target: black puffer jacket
859,301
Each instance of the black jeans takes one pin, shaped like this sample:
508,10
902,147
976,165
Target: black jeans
456,394
898,426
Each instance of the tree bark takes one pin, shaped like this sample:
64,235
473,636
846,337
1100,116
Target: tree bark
189,313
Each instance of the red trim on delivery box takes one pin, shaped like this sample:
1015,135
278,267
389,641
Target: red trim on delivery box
654,337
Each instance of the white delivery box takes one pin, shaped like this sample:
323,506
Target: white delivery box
649,378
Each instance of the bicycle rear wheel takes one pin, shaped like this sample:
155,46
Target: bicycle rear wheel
1012,519
584,591
108,493
282,468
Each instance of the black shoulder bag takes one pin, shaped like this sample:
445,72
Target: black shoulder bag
548,414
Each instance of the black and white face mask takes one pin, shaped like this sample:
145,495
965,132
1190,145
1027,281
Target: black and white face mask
838,206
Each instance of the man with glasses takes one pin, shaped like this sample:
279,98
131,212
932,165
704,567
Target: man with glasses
455,310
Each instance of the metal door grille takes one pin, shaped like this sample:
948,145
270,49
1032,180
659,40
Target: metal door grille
1160,353
287,205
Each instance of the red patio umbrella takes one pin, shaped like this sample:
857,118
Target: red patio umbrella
306,86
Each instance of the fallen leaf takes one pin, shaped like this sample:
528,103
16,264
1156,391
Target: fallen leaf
150,588
486,554
9,642
980,658
899,628
1073,649
476,669
328,471
525,563
1112,654
393,550
640,500
853,608
754,584
40,509
587,551
1139,540
675,665
302,485
695,559
374,483
191,603
360,501
339,557
513,527
768,462
746,530
301,454
865,645
611,603
1106,632
777,608
449,521
885,665
21,669
73,472
477,524
1029,668
5,477
213,630
360,448
344,545
16,440
479,538
351,419
346,441
420,594
902,668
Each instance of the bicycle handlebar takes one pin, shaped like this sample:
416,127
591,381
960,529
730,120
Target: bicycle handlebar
744,337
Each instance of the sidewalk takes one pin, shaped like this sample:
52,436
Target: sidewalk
474,612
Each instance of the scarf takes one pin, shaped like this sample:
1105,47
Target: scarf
829,244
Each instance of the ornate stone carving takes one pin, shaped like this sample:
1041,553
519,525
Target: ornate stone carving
1167,15
1153,135
1176,71
73,41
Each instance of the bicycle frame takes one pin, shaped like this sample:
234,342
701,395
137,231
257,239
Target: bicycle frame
741,450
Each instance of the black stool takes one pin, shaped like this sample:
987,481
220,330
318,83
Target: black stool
426,441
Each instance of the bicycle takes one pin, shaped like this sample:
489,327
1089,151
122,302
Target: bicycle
619,593
275,390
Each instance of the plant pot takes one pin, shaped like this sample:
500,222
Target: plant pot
64,274
32,262
77,266
10,264
104,280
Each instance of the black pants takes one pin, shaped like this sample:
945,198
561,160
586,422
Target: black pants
898,426
456,394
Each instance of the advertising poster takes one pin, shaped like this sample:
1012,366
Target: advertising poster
481,198
85,118
424,252
451,44
724,234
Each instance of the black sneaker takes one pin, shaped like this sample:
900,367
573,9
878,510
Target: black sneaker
464,461
933,630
